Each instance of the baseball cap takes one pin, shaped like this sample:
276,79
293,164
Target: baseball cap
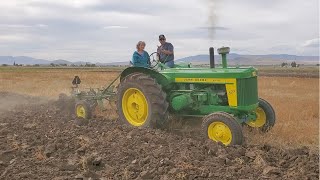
162,36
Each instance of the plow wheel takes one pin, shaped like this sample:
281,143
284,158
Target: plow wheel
265,116
83,110
141,102
222,127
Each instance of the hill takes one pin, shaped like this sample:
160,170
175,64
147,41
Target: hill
233,59
253,59
31,61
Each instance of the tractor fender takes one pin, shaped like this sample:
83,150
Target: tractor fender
160,78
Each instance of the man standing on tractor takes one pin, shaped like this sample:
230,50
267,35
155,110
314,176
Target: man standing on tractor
165,52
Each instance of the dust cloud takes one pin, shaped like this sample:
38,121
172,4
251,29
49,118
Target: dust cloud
8,101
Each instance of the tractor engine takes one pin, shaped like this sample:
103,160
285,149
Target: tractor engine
196,91
193,96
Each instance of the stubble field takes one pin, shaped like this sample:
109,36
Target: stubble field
295,100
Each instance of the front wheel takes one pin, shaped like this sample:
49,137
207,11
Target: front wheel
222,127
266,117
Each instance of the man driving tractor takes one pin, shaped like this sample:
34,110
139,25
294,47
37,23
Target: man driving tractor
165,51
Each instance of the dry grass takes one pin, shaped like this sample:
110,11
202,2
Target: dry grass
51,82
295,100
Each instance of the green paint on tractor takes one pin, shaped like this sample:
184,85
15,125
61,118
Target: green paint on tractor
221,95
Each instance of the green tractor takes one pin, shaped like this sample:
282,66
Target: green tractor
226,98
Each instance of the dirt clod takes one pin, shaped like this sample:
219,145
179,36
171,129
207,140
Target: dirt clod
270,170
81,121
49,149
145,175
29,126
250,154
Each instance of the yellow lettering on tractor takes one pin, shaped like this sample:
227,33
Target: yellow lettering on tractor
232,92
231,86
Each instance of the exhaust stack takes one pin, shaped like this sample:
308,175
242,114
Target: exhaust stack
211,52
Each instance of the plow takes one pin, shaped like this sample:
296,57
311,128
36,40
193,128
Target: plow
226,98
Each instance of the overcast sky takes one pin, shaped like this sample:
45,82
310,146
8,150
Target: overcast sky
108,30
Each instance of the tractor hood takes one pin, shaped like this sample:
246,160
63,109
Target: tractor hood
234,73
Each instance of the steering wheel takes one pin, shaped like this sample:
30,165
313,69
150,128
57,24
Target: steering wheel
154,59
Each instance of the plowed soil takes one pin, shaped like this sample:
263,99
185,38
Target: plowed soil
42,141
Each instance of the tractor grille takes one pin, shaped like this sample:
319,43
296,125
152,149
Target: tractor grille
247,91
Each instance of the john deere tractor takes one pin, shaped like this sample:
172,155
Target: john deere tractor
225,97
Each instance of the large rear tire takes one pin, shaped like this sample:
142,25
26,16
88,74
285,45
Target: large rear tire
222,127
141,102
266,117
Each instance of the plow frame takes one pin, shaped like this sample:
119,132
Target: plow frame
95,95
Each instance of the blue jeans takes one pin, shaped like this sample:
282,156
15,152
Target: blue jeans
170,64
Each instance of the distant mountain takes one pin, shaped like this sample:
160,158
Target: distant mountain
31,61
233,59
61,61
116,63
252,59
22,60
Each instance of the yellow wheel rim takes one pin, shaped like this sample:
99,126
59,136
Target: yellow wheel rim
81,112
135,106
261,118
220,132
